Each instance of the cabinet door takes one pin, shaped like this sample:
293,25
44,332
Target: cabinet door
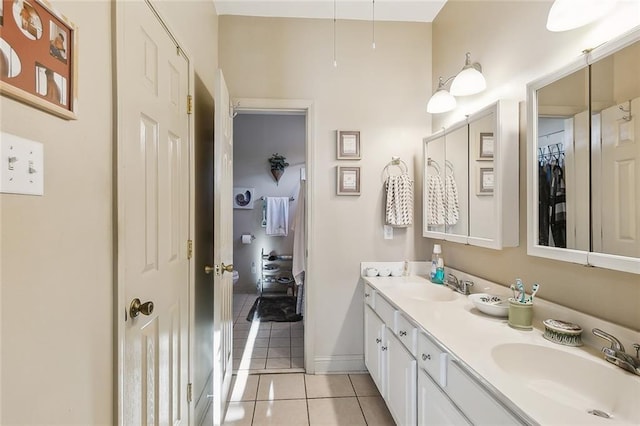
434,407
401,388
373,334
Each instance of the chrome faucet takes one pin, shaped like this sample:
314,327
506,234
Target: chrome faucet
461,286
616,353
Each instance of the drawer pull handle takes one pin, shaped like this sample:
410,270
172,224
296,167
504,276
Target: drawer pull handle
426,357
367,295
402,333
378,340
384,348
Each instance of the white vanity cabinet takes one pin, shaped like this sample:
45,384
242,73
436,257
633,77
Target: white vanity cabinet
401,391
374,333
434,406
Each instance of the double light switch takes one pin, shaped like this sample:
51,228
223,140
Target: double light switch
21,165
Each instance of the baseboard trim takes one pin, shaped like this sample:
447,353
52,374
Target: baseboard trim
339,364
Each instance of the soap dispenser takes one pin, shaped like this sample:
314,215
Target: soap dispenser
439,277
435,257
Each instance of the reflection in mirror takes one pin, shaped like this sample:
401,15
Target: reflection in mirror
434,184
615,146
563,162
456,181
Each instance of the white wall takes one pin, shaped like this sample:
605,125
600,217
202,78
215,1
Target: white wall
511,42
57,362
382,93
255,138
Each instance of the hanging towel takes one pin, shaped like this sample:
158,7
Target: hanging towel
399,205
435,201
452,205
299,238
277,216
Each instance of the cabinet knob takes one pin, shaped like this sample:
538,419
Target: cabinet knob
426,357
402,333
367,295
384,348
378,340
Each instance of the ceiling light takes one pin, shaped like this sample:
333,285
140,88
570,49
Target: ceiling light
468,81
566,15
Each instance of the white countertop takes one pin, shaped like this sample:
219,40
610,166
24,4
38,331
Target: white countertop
472,336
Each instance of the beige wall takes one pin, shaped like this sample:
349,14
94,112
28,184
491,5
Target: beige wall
56,281
509,39
382,93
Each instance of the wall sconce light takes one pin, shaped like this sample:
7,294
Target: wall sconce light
566,15
468,81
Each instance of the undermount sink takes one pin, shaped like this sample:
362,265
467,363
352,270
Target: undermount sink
572,380
427,292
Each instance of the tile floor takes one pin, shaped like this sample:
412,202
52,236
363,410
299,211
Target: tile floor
265,347
301,399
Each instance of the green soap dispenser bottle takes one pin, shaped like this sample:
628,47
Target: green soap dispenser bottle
439,277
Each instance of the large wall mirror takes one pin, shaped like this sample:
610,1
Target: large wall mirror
471,179
584,159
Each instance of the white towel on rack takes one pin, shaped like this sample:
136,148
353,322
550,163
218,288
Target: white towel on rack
452,205
435,201
399,205
277,216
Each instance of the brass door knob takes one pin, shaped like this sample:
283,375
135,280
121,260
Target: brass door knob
208,269
226,268
136,308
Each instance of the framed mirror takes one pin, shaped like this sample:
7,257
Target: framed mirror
584,159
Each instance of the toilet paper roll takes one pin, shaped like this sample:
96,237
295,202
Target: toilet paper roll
247,239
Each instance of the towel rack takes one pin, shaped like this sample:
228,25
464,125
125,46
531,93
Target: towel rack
395,162
433,163
263,198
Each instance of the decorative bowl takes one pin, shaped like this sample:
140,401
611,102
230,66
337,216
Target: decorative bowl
562,332
489,304
371,272
384,272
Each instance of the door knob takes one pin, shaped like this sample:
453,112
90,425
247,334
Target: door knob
137,308
208,269
226,268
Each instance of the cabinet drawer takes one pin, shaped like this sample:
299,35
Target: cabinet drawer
432,359
369,295
407,333
385,311
474,400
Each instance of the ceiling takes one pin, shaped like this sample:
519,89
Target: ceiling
385,10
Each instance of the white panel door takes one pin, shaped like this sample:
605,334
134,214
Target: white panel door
153,219
222,248
620,185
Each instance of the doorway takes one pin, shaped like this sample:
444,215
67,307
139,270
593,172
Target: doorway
269,246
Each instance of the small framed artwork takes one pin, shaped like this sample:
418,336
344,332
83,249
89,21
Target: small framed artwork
486,146
243,198
486,181
38,57
348,180
348,145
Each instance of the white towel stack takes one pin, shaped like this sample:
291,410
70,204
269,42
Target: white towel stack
435,201
451,201
399,206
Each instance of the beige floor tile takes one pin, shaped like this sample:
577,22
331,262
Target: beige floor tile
249,364
281,413
364,385
375,411
278,363
249,352
242,325
279,342
262,342
335,411
281,386
297,342
244,387
328,385
282,332
241,334
263,333
297,362
240,343
297,332
280,326
297,325
239,414
297,352
279,352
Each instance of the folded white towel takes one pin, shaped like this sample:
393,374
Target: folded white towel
277,216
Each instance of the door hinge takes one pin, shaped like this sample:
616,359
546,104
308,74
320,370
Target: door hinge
189,249
189,104
190,392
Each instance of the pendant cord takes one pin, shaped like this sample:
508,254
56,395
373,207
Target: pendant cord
335,62
373,25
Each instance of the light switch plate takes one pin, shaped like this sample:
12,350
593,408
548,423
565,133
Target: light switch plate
21,165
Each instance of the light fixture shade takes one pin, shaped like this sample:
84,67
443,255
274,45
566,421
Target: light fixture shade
441,101
566,15
469,81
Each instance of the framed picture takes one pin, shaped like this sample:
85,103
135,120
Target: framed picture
348,180
486,146
348,145
486,181
38,57
243,198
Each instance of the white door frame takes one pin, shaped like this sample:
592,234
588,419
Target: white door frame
122,304
306,106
